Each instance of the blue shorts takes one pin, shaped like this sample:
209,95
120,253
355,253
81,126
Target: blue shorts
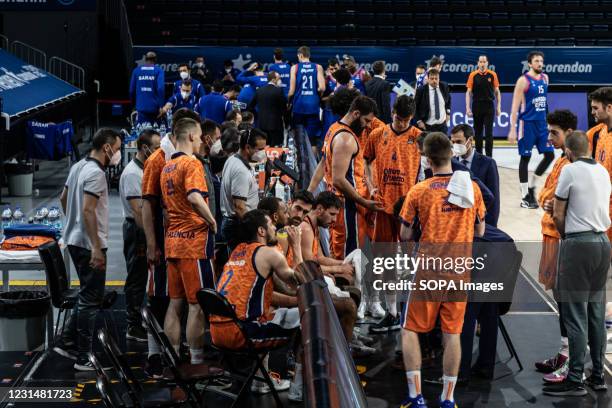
312,126
533,133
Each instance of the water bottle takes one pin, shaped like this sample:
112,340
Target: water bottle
7,215
38,218
54,218
18,215
287,195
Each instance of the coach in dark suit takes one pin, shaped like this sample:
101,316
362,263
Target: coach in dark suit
379,89
481,166
433,103
269,105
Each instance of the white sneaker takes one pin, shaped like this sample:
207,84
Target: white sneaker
361,310
376,310
260,387
296,393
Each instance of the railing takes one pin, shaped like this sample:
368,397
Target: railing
31,55
67,71
4,42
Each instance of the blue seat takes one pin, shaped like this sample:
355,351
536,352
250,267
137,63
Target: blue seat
537,16
585,42
462,16
566,41
422,16
448,42
581,27
404,41
595,16
386,18
561,28
487,41
519,16
483,29
547,42
365,18
464,28
605,42
467,42
507,41
556,16
403,18
426,42
529,42
387,42
499,16
575,16
541,28
269,17
503,28
480,16
599,27
522,28
444,28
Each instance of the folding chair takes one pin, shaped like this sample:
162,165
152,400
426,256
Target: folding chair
215,304
164,396
185,375
109,395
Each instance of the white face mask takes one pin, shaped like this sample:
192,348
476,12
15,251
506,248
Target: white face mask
216,148
168,148
459,149
424,162
184,75
258,156
199,64
185,95
115,159
228,70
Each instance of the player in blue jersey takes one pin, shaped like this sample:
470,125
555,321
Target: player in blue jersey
358,74
196,87
306,86
529,108
283,68
183,99
147,90
251,79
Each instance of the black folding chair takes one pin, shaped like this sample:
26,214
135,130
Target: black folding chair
109,395
215,304
185,375
163,396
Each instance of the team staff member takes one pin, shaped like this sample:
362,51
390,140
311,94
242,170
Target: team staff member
482,88
153,225
247,285
307,83
211,136
581,215
561,123
196,86
433,103
215,106
427,205
147,90
183,99
134,241
531,93
344,175
84,200
189,237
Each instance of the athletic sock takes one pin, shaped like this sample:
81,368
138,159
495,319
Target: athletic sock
297,377
152,345
449,388
524,189
534,180
414,383
564,350
391,300
197,355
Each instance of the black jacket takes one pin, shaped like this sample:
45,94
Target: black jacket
379,90
269,105
421,98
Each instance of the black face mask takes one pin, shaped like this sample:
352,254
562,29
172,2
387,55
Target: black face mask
356,127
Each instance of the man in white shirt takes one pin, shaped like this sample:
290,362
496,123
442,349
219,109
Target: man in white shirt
433,104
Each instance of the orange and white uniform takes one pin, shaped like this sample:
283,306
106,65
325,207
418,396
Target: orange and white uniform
441,223
550,235
603,156
251,296
348,232
593,135
189,241
396,162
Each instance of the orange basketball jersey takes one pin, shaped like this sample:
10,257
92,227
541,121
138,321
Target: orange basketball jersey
356,171
151,175
548,193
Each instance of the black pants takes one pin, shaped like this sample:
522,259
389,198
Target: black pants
229,226
135,253
487,314
437,128
82,320
483,128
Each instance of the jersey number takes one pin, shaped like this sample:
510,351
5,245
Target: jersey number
540,89
169,187
229,276
307,82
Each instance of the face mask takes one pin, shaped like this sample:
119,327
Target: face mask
459,149
184,75
199,64
228,70
185,95
424,162
115,159
258,156
168,148
216,148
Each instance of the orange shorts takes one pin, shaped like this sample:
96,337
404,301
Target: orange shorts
548,261
421,316
262,335
187,276
386,228
348,231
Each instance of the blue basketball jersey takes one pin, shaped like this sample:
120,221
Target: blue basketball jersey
358,83
284,70
306,98
536,104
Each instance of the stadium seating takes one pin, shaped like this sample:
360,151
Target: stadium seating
370,22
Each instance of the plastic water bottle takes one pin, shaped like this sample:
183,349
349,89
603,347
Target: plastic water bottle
7,216
54,218
18,215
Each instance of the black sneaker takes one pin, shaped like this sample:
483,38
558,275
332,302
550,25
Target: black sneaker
596,383
529,200
136,333
84,365
66,350
387,324
565,388
532,197
154,367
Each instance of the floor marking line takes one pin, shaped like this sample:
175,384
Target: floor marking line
538,289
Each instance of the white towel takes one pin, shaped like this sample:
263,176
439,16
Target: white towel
287,318
359,261
167,146
333,289
461,189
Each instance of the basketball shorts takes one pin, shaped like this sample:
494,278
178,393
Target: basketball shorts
262,335
312,126
187,276
533,133
348,231
548,261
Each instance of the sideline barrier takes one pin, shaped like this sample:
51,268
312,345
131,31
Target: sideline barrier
330,377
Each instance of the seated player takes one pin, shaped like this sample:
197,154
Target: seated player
427,205
300,206
247,285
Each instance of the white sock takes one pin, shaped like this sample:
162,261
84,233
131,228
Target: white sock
524,189
152,345
177,349
449,388
297,377
534,180
414,383
391,301
197,355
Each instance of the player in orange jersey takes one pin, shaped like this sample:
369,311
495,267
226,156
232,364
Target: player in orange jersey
561,123
247,285
445,223
189,237
601,109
